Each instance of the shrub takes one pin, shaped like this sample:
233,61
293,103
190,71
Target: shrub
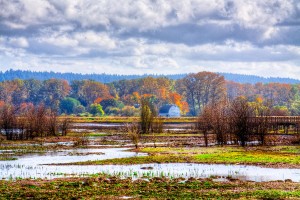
96,110
146,116
133,131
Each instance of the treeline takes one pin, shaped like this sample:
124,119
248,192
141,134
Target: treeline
108,78
123,98
103,78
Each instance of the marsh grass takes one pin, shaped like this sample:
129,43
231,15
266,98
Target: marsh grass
284,149
250,157
97,134
4,157
110,187
137,160
82,140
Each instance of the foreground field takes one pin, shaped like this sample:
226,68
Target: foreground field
101,187
89,147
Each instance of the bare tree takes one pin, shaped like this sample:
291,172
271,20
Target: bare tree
134,133
27,121
52,123
65,124
157,125
240,114
203,124
263,116
8,121
214,117
22,125
36,121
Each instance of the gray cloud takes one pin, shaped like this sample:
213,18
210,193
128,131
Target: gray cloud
150,35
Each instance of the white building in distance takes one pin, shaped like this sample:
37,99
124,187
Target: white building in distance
169,110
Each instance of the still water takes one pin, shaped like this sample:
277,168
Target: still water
33,166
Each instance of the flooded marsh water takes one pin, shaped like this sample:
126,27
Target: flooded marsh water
33,166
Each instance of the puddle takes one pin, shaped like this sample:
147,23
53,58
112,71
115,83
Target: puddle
31,166
63,156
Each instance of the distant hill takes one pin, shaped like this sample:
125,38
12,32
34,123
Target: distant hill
242,78
107,78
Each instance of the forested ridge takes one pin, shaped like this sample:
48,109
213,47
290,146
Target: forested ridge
108,78
191,93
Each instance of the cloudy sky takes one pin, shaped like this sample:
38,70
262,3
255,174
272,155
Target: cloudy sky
260,37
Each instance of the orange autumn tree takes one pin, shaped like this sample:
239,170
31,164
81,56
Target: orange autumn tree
185,107
162,93
150,97
132,99
259,99
2,103
176,99
136,97
89,91
98,100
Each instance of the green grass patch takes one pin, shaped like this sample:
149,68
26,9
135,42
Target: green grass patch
272,194
249,157
195,150
97,134
3,158
261,155
137,160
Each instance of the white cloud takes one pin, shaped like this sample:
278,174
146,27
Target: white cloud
147,14
97,40
18,42
261,13
161,36
60,41
13,42
24,13
14,25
